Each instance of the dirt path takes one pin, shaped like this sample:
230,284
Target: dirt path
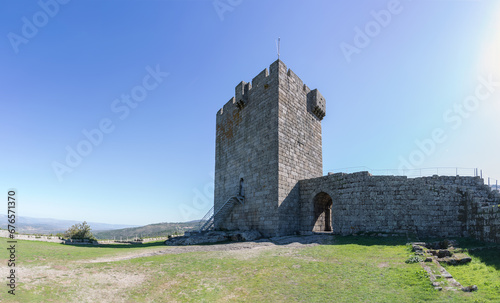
287,241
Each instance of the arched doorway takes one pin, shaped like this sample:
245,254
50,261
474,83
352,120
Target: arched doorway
322,212
242,188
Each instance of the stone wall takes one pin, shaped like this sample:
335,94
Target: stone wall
429,206
5,234
268,142
300,148
483,222
247,148
269,136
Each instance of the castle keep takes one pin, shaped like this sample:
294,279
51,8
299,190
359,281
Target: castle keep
268,175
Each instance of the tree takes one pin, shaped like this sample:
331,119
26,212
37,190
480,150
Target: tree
80,231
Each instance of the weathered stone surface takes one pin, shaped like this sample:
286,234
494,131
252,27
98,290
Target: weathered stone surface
443,253
470,288
271,142
250,235
268,148
456,259
418,247
445,244
214,237
441,206
450,256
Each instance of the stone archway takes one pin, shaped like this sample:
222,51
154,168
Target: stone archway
322,212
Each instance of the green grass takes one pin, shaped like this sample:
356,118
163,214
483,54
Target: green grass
351,269
483,271
42,253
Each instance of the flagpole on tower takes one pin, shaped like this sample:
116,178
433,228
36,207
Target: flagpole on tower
278,47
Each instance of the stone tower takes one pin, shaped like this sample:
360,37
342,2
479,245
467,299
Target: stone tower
268,138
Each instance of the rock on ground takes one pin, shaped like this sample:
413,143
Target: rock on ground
214,237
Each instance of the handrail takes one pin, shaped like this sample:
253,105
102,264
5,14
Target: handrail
206,225
206,218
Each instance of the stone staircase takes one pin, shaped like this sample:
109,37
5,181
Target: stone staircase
207,223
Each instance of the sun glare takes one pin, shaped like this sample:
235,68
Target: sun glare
489,61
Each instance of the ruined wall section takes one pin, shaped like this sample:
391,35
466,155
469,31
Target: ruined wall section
483,218
428,206
247,148
300,112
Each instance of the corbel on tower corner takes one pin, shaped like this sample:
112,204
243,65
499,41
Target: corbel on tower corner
317,103
241,94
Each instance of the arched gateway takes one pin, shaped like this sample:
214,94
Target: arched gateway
322,212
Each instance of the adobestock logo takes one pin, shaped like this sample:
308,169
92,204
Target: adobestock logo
31,26
363,36
223,6
95,136
454,117
202,200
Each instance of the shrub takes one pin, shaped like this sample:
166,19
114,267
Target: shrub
80,231
414,259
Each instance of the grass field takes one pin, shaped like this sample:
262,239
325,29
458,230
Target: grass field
347,269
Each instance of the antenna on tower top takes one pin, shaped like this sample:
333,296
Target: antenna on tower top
278,47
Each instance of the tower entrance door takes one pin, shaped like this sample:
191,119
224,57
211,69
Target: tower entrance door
322,212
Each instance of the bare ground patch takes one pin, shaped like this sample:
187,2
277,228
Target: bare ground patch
383,265
81,283
238,249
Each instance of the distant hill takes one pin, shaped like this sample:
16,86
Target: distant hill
29,225
148,231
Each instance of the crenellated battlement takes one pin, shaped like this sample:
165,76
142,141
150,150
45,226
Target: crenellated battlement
261,77
276,71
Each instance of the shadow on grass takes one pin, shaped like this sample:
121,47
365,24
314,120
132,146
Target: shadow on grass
320,238
487,252
489,257
138,245
369,240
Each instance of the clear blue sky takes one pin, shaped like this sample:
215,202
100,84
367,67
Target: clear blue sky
393,73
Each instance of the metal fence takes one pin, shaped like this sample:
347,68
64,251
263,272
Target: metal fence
492,182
